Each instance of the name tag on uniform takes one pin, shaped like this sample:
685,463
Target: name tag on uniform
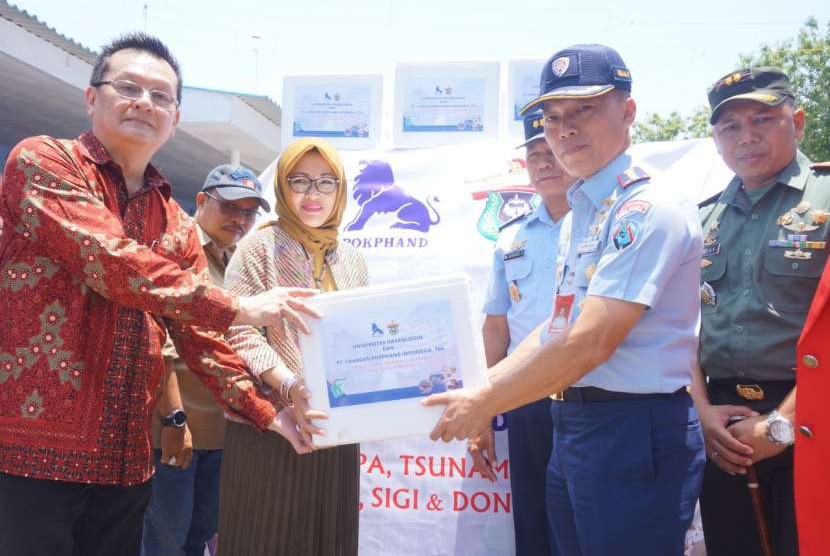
516,254
588,246
711,250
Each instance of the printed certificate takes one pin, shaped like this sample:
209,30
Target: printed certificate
331,110
344,109
450,105
378,351
444,103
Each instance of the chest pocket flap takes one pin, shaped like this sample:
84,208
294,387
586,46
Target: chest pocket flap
789,284
518,269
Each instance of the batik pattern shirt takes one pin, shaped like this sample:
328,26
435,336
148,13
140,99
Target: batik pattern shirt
91,281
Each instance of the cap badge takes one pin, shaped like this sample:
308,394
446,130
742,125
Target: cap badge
560,66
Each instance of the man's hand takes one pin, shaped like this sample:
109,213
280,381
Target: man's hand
302,414
483,451
274,307
727,452
464,416
176,446
753,433
284,425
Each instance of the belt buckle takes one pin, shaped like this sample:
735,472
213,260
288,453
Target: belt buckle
558,396
752,392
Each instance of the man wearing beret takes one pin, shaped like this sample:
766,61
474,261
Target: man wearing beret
764,249
627,458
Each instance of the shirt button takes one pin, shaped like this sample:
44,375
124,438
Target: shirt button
748,252
747,291
805,431
795,266
810,361
755,216
741,373
739,328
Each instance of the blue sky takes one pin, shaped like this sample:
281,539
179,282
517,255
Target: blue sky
674,50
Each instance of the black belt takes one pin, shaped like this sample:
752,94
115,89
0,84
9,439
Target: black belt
594,394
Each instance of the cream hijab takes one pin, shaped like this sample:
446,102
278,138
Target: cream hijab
317,241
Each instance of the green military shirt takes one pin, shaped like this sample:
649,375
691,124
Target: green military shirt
761,265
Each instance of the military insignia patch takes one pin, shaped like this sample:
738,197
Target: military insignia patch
560,66
625,233
632,176
633,206
708,295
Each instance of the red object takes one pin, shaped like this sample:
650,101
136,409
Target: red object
812,450
87,274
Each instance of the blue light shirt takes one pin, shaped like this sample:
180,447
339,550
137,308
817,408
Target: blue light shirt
524,262
635,239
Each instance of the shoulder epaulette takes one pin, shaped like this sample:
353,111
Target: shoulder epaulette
821,166
710,200
514,219
631,176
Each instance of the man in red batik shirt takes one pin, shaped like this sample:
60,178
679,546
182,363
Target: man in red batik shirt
98,264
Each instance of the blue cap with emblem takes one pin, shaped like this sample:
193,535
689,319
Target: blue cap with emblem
233,183
534,124
581,71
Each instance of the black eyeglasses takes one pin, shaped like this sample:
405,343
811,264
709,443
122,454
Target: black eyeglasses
300,183
134,91
231,210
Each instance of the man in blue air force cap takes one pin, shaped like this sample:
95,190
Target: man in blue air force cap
621,341
518,299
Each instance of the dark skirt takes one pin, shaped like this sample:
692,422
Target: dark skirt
274,502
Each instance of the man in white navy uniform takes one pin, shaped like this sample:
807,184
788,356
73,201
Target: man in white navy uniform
621,343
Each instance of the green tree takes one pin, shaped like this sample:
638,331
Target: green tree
672,127
806,60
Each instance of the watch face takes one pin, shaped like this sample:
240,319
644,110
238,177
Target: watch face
781,431
178,418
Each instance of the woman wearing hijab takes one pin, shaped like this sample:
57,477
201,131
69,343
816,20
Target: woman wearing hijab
274,501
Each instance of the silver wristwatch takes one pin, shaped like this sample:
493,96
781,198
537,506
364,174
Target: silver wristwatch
779,429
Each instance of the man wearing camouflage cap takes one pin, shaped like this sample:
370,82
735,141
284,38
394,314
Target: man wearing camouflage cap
765,239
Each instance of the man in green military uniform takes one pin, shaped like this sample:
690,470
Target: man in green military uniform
764,249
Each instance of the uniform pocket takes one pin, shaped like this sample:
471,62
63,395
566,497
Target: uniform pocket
789,284
518,269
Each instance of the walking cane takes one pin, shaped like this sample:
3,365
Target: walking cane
753,485
758,510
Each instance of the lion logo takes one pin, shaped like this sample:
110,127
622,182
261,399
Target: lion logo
376,193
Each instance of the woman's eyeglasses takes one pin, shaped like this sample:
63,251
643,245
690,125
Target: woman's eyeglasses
301,183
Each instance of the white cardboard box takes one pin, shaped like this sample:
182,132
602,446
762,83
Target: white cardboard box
378,351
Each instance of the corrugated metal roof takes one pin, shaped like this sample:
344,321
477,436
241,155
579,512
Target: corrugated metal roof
33,25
